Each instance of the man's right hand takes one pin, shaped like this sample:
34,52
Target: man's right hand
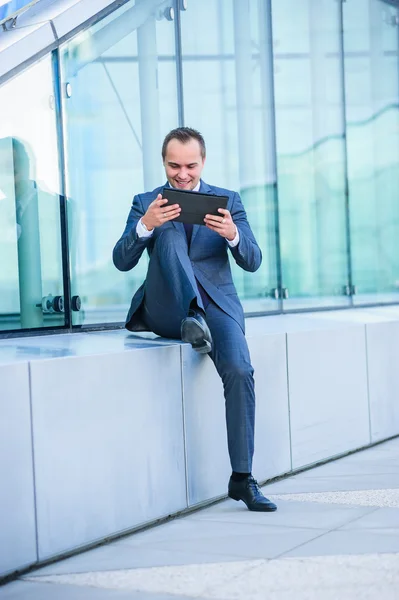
158,214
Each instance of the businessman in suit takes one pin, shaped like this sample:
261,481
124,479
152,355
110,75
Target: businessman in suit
189,293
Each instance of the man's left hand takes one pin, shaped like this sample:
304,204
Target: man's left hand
223,225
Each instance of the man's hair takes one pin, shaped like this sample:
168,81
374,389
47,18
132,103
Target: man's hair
184,135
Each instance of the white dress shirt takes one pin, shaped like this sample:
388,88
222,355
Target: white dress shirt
143,232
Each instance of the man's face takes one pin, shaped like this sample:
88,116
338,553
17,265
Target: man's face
183,164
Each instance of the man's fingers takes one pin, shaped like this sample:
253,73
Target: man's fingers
216,226
172,215
223,226
165,217
218,221
165,214
214,219
159,201
158,213
168,209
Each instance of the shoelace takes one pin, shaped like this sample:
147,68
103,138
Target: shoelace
254,486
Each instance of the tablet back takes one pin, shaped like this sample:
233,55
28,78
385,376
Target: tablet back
194,205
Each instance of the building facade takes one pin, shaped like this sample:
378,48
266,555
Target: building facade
298,103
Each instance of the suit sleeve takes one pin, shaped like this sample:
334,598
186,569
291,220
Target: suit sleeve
247,253
130,247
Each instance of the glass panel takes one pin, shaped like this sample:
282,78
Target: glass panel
228,96
310,152
372,74
30,237
10,9
120,100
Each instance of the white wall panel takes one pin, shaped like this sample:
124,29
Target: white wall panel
327,375
108,438
383,376
17,507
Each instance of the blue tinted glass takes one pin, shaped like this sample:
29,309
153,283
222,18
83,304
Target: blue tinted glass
372,90
120,100
228,97
310,152
14,6
30,236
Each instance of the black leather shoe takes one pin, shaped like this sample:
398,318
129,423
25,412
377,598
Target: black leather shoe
195,331
249,492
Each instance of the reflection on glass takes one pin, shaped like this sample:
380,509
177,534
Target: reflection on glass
272,115
372,89
119,81
30,242
229,98
310,152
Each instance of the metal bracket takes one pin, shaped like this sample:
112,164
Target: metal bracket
52,304
279,293
349,290
10,24
55,304
274,293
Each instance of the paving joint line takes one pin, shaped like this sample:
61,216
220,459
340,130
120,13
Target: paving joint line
325,533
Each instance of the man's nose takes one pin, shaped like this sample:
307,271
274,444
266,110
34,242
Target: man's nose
183,174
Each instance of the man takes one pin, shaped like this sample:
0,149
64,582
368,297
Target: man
189,293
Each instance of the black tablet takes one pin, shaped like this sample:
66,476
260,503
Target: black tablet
194,205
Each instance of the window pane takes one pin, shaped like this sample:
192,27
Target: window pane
120,77
30,238
228,97
371,73
310,151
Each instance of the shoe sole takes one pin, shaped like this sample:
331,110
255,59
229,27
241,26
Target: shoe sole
236,498
192,333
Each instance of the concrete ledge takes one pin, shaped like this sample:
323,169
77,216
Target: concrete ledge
382,355
327,377
128,429
109,447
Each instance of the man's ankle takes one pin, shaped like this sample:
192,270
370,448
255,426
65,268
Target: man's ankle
236,476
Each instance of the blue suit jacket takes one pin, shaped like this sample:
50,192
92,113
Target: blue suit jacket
208,253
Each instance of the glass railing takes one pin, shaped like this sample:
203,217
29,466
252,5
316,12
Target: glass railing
30,232
11,9
306,131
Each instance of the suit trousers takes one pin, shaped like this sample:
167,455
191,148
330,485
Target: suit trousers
170,290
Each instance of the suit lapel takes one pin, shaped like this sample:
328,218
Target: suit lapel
196,229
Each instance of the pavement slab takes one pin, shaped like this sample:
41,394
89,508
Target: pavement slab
335,536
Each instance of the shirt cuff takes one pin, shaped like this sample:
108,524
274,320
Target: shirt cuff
234,243
142,230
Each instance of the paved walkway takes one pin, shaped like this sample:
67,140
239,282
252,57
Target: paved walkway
334,537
